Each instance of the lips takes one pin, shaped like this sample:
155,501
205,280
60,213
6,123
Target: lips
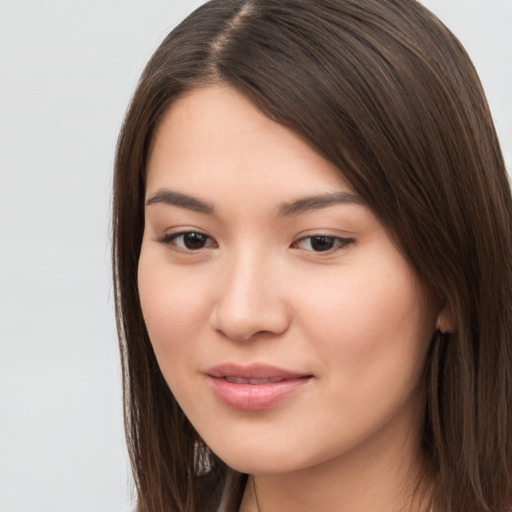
241,380
254,387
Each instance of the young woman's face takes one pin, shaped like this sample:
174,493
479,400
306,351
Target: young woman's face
288,326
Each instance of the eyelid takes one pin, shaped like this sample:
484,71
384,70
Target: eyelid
168,239
341,243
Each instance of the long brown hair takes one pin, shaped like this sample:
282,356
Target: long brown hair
384,91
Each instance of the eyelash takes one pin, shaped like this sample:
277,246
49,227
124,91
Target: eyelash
337,243
171,241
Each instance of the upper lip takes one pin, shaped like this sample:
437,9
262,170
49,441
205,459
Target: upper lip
253,371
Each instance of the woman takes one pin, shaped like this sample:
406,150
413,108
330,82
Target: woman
312,240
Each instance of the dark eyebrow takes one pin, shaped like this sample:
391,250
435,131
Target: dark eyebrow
307,204
174,198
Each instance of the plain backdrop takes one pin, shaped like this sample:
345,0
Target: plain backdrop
67,71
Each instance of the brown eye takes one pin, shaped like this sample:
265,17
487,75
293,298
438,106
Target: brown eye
194,241
188,241
322,243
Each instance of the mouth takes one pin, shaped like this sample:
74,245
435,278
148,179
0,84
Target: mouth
242,380
254,387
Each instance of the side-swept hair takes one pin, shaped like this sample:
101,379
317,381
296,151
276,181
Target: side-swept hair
384,91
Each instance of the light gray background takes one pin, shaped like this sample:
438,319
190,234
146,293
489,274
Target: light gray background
67,71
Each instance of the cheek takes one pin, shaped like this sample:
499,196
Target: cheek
372,344
372,315
175,308
176,312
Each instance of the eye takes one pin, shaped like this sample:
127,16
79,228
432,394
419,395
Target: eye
322,243
188,241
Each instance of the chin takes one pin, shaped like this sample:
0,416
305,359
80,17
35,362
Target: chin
264,460
253,466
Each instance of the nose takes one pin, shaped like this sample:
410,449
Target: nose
251,300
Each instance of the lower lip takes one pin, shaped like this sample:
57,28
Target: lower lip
255,397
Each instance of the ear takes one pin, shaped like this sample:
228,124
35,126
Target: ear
445,320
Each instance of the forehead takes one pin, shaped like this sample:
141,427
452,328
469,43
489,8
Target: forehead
214,137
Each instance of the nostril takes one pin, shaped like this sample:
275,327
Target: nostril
250,324
249,304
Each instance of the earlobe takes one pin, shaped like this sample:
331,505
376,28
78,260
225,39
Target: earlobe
445,320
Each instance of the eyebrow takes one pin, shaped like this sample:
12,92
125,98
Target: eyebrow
302,205
174,198
317,202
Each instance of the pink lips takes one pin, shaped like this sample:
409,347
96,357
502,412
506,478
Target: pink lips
254,387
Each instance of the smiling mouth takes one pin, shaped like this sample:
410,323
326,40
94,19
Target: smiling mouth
255,387
242,380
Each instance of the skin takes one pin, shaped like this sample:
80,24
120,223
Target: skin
255,288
